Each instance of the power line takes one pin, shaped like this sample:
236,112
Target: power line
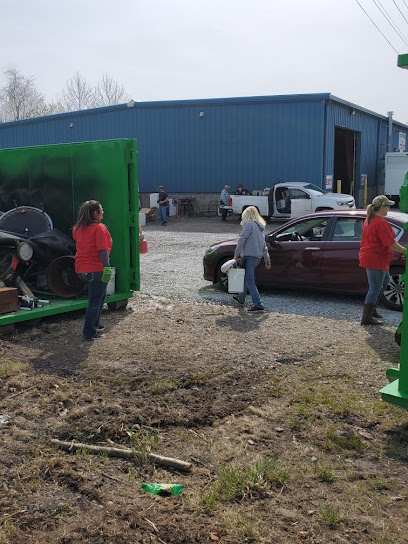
400,10
405,4
386,39
389,20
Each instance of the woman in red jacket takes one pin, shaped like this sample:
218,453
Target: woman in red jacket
93,246
377,244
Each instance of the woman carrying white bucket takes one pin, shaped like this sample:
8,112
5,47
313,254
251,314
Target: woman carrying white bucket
251,248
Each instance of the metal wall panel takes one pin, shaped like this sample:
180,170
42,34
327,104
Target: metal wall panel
200,145
372,131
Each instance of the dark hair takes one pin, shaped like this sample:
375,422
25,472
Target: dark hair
86,214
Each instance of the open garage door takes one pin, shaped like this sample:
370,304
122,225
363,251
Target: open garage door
345,157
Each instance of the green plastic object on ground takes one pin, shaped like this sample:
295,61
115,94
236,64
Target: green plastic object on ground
165,490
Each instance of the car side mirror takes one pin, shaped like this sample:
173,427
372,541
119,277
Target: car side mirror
271,239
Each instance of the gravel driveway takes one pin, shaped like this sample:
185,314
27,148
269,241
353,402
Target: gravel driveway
173,268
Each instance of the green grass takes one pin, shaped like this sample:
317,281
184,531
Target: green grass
163,386
142,442
8,367
324,474
299,419
330,516
339,442
246,528
234,484
376,483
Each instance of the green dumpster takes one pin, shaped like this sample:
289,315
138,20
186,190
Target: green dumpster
58,179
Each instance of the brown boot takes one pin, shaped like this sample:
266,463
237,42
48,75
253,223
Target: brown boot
376,314
368,318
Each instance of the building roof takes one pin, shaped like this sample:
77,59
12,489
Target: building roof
316,97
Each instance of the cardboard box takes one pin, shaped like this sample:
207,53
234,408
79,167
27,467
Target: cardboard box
8,300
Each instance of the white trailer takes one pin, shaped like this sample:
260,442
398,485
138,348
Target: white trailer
396,164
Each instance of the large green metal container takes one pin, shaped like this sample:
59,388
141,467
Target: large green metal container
59,178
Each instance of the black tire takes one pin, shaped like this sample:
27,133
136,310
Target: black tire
222,277
393,296
118,305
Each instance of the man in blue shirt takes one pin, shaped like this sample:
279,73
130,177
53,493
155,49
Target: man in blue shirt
224,201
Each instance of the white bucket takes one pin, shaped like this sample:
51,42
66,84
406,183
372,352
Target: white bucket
236,278
110,290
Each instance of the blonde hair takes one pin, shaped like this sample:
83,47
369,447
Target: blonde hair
251,214
371,210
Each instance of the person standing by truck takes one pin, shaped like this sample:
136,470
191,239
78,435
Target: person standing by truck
241,191
251,248
225,201
377,244
163,202
93,246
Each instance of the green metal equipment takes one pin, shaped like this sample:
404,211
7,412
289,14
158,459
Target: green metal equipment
396,392
59,178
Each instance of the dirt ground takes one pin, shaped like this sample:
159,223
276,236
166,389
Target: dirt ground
284,428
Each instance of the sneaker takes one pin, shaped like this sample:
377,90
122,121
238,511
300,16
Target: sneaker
164,223
241,304
256,310
100,328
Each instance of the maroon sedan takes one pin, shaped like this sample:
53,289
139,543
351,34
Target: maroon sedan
317,252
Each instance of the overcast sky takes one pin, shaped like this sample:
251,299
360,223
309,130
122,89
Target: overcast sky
177,49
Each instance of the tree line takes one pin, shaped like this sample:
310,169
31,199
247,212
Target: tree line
21,99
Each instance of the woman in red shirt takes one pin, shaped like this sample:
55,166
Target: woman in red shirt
377,244
93,246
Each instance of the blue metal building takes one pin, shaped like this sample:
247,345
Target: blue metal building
197,146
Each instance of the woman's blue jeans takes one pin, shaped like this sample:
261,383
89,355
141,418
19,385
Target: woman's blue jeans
377,282
96,299
249,285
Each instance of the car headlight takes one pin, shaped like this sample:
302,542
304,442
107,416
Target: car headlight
24,251
341,203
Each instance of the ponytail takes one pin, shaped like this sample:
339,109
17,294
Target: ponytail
371,210
86,214
370,213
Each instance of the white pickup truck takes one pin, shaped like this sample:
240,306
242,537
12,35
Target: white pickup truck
288,200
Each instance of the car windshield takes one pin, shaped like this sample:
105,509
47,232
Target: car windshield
312,187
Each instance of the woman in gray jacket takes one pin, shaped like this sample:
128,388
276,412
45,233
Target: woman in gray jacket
251,248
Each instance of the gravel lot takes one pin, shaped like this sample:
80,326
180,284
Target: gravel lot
173,268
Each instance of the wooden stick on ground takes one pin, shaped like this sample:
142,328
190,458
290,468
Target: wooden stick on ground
123,452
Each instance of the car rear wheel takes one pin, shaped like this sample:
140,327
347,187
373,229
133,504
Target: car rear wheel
222,277
393,296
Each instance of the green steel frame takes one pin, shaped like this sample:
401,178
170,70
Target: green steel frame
59,178
396,392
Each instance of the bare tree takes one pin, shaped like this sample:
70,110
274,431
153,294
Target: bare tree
109,92
19,98
78,94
